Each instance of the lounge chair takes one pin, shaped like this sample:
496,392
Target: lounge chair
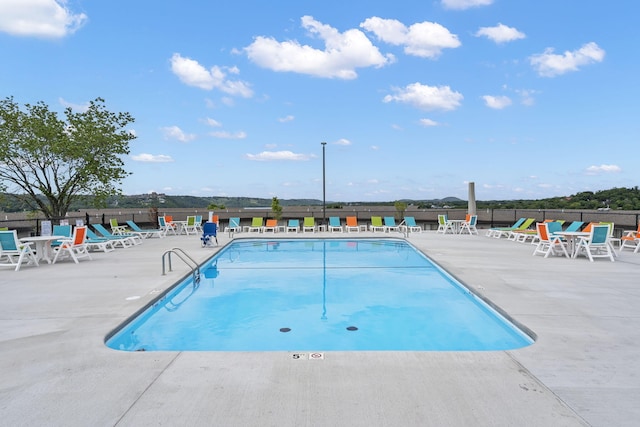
270,225
376,224
309,224
61,230
498,232
256,225
146,233
123,241
595,245
76,247
513,234
352,224
548,244
13,252
209,234
133,239
409,223
293,225
390,224
117,228
334,224
234,226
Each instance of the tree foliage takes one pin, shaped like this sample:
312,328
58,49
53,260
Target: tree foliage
276,208
49,162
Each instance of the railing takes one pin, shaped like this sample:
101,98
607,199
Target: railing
428,218
195,267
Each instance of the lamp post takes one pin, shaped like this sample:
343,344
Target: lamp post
324,187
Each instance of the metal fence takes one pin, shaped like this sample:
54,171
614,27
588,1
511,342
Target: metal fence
27,224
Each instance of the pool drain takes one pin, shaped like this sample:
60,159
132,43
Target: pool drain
285,329
352,328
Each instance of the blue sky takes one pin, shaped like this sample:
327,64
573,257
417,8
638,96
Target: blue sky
528,99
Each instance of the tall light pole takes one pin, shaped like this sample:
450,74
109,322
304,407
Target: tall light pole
324,187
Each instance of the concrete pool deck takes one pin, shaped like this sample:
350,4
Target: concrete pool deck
583,369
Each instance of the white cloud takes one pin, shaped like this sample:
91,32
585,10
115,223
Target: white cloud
549,64
423,39
500,33
212,122
191,73
343,53
428,122
426,97
465,4
285,119
343,141
597,170
152,158
278,155
174,132
497,102
229,135
39,18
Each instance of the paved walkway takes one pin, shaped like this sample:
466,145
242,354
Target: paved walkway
583,370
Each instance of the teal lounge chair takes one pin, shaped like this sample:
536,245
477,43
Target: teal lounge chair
146,233
334,224
123,240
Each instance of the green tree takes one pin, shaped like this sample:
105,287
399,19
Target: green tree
48,162
400,208
276,208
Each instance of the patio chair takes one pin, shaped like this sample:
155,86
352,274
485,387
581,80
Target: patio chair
61,230
234,225
334,224
189,226
390,224
209,234
595,245
167,226
199,222
293,225
631,240
351,224
270,225
376,224
13,252
146,233
309,224
76,247
548,244
469,225
256,225
443,224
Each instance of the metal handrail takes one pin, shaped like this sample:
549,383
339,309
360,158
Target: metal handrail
195,267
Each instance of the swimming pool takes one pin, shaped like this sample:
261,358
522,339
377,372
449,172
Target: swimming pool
319,295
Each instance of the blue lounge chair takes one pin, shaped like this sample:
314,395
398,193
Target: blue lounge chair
209,234
390,224
146,233
123,239
334,224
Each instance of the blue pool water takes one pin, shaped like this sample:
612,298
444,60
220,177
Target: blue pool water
319,295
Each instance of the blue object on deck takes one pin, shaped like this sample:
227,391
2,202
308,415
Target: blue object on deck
209,234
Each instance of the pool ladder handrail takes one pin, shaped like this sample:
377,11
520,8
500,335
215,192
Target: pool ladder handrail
195,267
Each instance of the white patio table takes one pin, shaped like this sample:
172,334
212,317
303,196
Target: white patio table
43,246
